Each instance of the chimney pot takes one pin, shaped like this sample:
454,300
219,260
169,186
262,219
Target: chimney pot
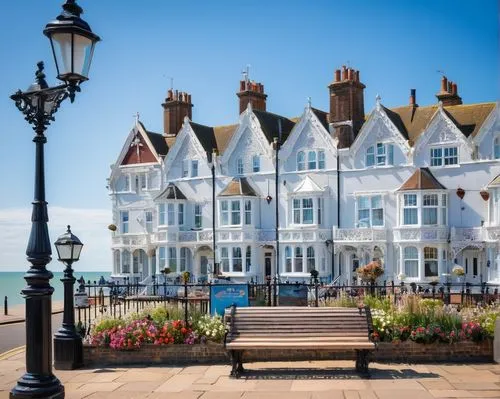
170,94
350,74
450,83
454,89
344,72
176,108
337,75
444,84
356,76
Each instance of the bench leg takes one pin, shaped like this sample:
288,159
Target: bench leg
240,368
234,364
362,361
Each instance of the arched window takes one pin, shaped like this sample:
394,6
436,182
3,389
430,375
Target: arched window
311,261
239,166
311,160
224,259
185,259
301,160
248,259
370,156
496,148
125,261
256,163
431,262
172,259
410,259
135,261
288,259
237,261
298,260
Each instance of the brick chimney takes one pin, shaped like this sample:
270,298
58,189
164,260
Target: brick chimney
177,105
448,94
346,105
252,92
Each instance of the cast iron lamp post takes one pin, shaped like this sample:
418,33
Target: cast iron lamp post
72,43
68,349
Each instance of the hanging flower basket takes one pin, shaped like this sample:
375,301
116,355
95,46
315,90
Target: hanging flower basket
112,227
458,271
371,271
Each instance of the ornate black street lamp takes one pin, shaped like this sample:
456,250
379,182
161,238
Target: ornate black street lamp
68,349
72,44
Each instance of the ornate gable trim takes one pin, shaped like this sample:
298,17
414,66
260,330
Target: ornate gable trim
298,130
379,114
185,133
487,125
444,134
250,121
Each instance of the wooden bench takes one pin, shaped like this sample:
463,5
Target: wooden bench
297,328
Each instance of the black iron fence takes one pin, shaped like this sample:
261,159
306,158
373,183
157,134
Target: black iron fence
118,300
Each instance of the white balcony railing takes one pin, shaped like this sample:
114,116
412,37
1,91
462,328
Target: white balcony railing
359,235
131,240
492,233
421,233
468,234
298,235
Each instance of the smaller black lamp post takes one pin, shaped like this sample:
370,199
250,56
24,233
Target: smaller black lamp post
68,350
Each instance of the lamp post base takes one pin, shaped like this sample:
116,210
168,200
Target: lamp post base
36,386
68,352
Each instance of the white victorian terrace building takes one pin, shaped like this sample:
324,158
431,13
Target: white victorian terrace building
417,187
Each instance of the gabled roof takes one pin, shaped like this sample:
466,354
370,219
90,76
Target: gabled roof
205,135
495,182
308,185
171,192
223,136
269,125
412,121
322,117
158,141
237,187
422,179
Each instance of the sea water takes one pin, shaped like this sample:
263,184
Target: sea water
12,283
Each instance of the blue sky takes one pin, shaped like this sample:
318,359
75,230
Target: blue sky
293,48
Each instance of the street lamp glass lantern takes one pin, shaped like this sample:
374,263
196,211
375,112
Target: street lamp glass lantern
68,247
72,43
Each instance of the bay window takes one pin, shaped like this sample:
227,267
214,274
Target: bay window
370,211
311,260
172,259
307,210
233,212
162,258
170,214
237,261
232,260
197,216
410,259
431,261
299,259
425,209
180,214
248,212
161,214
224,258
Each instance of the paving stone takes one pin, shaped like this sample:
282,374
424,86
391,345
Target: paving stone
402,384
178,383
337,394
222,395
486,394
476,386
326,385
119,395
175,395
448,393
403,394
273,385
139,386
283,395
437,384
107,377
194,370
142,375
99,387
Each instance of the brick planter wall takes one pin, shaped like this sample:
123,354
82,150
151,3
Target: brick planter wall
406,352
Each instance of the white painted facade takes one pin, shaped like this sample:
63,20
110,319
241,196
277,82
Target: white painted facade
338,208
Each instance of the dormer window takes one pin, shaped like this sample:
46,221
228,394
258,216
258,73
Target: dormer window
301,161
380,154
444,156
256,163
496,148
126,186
311,160
315,160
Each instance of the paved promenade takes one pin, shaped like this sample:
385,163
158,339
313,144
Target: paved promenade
304,380
16,313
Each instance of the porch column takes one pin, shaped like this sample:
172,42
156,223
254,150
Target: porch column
421,263
401,260
441,260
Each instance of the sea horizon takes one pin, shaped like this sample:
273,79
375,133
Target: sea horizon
12,282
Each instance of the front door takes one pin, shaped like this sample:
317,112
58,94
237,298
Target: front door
203,265
268,264
472,266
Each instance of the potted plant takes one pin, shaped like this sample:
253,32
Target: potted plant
371,271
186,276
458,271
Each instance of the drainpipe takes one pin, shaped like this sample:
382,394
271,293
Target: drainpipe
214,269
